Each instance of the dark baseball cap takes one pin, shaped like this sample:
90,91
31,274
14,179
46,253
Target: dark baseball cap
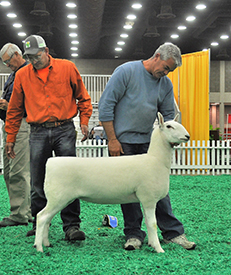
33,44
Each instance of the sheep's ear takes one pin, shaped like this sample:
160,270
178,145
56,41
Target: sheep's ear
176,118
161,119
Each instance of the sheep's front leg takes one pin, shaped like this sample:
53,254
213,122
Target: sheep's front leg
40,225
44,218
150,221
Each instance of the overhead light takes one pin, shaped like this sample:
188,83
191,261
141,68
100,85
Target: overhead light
73,26
74,42
214,44
21,34
71,5
11,15
71,16
224,36
40,9
74,54
17,25
137,6
5,3
190,18
73,34
222,54
121,43
200,6
127,27
74,48
166,10
124,35
151,32
182,28
174,36
45,30
131,17
118,49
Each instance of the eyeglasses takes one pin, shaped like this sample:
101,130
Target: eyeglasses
32,58
6,62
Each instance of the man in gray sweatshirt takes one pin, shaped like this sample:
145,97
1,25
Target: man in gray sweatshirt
128,108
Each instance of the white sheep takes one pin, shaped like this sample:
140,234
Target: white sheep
115,180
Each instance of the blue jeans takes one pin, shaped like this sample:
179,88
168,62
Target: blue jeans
169,225
43,141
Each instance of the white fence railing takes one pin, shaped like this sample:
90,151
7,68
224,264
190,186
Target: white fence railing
192,158
202,158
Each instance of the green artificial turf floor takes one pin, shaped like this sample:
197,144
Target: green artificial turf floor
202,203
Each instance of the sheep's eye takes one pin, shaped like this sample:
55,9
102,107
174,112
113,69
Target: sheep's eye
169,126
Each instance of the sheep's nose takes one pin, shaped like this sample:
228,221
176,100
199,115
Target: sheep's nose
187,136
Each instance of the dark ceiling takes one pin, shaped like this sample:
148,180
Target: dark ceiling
100,23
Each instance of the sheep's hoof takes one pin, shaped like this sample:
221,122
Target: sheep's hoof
39,250
159,250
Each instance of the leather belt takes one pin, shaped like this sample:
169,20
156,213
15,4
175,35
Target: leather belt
51,124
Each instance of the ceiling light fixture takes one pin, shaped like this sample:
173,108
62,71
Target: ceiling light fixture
5,3
182,28
200,7
131,17
74,48
190,18
73,34
74,42
73,26
166,10
174,36
11,15
17,25
136,6
71,16
214,44
118,49
121,43
71,5
74,54
127,27
124,35
224,36
21,34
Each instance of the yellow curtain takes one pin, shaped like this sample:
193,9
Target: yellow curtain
191,91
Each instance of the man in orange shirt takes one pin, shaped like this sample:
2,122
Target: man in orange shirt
48,89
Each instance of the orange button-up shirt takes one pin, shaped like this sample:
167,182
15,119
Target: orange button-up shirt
59,98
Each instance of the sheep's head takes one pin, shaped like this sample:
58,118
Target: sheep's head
174,132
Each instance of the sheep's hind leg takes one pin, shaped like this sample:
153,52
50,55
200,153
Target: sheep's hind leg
150,221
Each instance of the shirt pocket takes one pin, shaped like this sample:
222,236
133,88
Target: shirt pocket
62,88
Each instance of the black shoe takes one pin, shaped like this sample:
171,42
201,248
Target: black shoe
31,232
74,234
8,222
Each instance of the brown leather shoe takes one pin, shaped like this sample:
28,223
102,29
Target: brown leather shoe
8,222
74,234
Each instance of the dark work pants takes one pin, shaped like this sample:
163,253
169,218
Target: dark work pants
169,225
43,141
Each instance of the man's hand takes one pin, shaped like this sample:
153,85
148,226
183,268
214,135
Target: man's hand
84,129
10,150
115,148
3,104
